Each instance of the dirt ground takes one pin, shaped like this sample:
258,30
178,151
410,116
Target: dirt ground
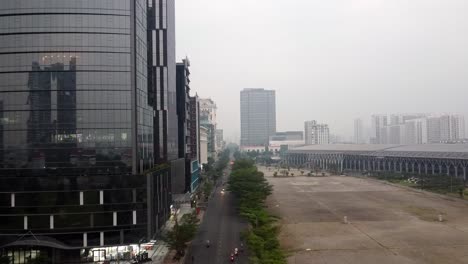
386,224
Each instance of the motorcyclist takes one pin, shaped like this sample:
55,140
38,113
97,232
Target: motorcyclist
236,251
232,258
241,247
207,243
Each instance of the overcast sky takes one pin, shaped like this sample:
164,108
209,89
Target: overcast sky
331,60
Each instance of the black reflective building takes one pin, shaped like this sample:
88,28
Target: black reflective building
81,117
183,117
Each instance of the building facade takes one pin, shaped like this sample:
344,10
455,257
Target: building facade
219,140
188,120
358,131
378,127
162,78
194,142
208,120
418,129
203,145
258,116
316,134
79,145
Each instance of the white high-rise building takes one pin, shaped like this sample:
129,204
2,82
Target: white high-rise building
452,128
416,131
316,134
378,129
358,131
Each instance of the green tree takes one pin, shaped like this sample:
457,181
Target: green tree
207,189
182,233
251,189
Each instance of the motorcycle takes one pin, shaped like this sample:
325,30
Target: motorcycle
232,258
236,252
207,243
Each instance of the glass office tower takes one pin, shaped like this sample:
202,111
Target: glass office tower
76,129
258,116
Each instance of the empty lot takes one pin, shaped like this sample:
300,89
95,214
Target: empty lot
387,224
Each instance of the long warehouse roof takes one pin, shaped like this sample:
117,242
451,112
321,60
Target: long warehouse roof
451,151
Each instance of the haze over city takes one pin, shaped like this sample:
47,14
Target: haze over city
330,61
233,131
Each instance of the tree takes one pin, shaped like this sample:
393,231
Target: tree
292,174
275,174
302,172
207,189
251,189
182,233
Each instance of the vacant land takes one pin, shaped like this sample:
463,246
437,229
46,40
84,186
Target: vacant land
386,224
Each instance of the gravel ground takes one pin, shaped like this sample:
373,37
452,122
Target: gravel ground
386,223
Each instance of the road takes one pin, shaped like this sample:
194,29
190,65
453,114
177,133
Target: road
222,226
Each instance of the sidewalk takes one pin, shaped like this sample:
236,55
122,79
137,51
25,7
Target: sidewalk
160,250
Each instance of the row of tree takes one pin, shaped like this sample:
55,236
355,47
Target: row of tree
251,189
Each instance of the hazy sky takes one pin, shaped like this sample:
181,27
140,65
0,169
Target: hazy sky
331,60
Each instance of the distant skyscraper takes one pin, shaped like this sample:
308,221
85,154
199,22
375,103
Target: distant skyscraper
378,123
452,128
358,131
219,139
316,134
258,116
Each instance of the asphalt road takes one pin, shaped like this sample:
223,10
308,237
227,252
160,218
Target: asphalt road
222,226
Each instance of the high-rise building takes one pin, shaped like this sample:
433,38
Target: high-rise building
208,120
378,122
194,143
418,129
162,78
316,134
79,90
194,128
415,132
258,116
181,182
358,131
219,139
203,145
433,129
452,128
